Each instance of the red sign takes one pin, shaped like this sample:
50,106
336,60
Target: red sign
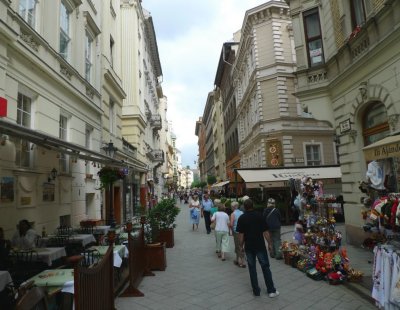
3,107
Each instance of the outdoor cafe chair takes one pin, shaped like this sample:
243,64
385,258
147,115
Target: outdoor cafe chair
24,265
91,257
64,231
34,299
58,241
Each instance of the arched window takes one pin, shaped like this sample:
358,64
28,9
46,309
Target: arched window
375,123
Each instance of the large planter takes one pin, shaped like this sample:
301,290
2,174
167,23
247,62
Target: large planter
167,236
156,256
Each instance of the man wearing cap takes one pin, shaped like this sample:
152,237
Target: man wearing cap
272,217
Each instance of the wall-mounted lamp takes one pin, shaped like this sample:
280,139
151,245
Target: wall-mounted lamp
110,149
53,175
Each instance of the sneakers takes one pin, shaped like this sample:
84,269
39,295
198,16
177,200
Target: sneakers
272,295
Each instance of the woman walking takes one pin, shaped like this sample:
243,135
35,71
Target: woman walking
221,220
194,208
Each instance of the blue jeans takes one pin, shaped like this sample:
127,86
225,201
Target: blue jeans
207,220
276,243
262,256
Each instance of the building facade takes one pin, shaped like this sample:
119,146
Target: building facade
224,83
272,129
348,63
62,98
54,113
142,77
201,142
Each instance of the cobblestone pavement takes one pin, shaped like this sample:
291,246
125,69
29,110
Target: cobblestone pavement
196,279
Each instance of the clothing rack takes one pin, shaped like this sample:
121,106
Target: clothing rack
386,276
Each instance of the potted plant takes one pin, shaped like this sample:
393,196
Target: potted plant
156,258
108,175
166,212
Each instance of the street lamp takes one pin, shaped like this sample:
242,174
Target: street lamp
110,150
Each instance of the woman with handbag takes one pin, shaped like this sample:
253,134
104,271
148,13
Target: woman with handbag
194,208
221,220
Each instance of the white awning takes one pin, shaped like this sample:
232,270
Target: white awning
220,184
256,178
384,148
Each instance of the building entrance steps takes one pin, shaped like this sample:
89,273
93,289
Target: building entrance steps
196,279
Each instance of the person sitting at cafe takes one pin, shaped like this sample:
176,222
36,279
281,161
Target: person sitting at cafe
4,250
25,237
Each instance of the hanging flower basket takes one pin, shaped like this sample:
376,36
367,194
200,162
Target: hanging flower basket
108,175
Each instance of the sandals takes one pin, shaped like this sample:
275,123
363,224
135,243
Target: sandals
239,265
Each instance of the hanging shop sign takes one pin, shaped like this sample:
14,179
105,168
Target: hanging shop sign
384,148
3,107
345,126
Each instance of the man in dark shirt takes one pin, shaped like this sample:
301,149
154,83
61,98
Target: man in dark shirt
252,230
272,217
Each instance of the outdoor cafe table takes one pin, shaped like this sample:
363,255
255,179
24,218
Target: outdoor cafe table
48,255
101,230
120,252
5,278
55,280
83,239
123,237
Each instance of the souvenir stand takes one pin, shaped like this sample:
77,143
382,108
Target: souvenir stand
382,218
317,247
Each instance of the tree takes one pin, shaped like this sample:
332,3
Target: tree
211,179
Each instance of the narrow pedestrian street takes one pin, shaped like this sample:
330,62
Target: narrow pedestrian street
196,279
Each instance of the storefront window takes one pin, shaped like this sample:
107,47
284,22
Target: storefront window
375,124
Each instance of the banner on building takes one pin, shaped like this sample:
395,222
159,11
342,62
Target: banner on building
274,153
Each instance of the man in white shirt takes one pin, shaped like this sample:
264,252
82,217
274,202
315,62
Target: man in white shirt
24,237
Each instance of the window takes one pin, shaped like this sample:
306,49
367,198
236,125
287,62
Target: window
64,31
375,123
23,148
88,137
88,144
63,130
112,117
27,10
357,12
312,29
88,56
111,51
313,155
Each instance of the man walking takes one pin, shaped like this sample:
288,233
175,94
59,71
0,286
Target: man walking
272,217
252,230
206,205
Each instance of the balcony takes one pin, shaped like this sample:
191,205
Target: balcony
156,122
156,155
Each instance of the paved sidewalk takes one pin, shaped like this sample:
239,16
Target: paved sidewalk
196,279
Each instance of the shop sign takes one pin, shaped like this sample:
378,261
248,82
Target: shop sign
382,152
3,107
345,126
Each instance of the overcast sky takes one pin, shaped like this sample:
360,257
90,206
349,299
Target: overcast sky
190,34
